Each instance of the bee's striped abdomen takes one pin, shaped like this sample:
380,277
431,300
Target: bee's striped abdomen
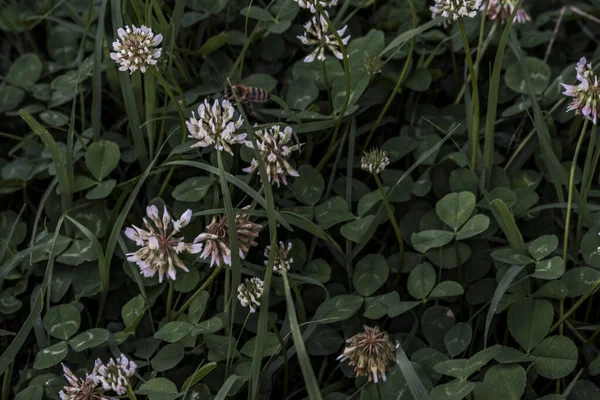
258,95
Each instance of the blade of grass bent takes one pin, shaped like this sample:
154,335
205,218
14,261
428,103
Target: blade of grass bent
312,387
416,387
11,232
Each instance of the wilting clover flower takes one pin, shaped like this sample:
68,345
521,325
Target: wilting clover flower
586,95
216,238
215,126
159,248
283,260
374,161
136,48
316,34
115,375
455,9
500,10
373,65
312,4
250,292
274,151
371,353
82,389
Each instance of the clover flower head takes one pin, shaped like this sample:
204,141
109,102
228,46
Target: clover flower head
82,389
586,94
312,5
159,247
115,374
316,34
215,126
136,48
216,238
374,161
250,292
274,151
373,65
283,259
371,353
500,10
455,9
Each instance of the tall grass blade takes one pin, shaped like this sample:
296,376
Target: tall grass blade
97,77
416,387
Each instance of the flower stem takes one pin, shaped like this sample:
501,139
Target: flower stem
130,393
206,283
474,125
170,301
388,208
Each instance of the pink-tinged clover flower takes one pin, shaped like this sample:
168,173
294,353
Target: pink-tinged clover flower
159,247
586,94
136,48
283,259
216,238
215,126
316,34
371,353
500,10
274,151
83,389
312,5
250,292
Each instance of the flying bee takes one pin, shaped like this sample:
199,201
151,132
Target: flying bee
246,95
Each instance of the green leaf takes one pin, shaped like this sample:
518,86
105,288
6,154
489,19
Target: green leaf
370,274
62,321
421,281
25,70
553,290
174,331
89,339
193,189
168,357
552,268
435,322
507,223
79,252
302,92
338,308
355,230
474,226
506,382
209,326
378,306
580,280
455,390
324,341
133,310
539,74
198,307
543,246
51,356
101,158
512,256
31,393
309,186
402,307
446,289
332,212
529,321
458,338
158,389
594,367
590,244
398,147
455,209
318,269
258,13
555,357
431,239
214,43
272,346
62,44
197,376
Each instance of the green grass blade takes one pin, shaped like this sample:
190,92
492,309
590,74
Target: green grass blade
408,35
134,272
227,385
312,387
504,284
11,232
97,77
507,223
492,106
416,387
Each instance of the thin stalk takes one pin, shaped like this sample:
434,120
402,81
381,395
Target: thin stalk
587,178
170,300
474,123
347,97
575,306
206,283
388,208
130,393
285,357
401,78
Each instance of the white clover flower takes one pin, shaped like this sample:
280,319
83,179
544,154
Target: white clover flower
312,4
215,126
274,151
82,389
455,9
500,10
283,260
115,375
374,161
250,292
316,34
159,248
216,238
586,95
136,48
